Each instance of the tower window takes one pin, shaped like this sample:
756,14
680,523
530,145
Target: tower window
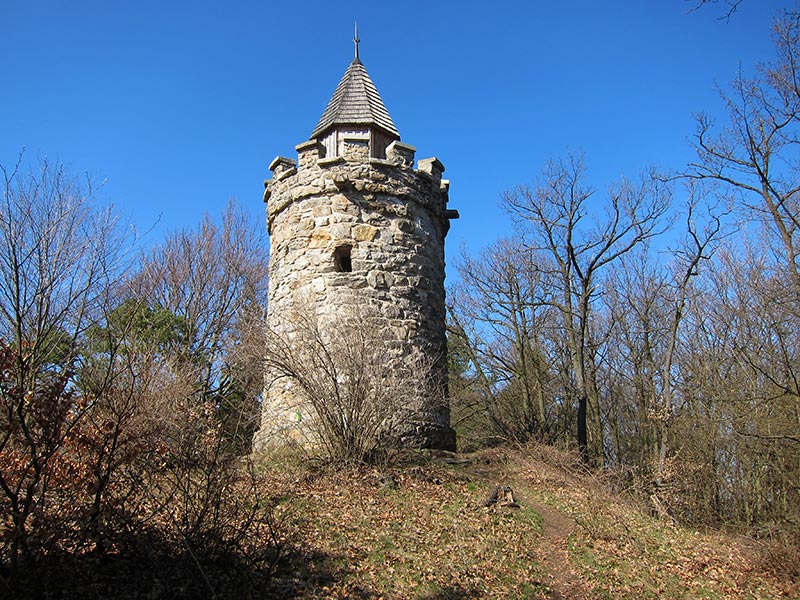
341,259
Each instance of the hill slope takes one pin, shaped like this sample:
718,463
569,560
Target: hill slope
511,524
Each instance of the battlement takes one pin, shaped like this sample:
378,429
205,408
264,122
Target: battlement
312,154
313,174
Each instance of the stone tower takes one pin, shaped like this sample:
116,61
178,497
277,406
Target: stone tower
353,226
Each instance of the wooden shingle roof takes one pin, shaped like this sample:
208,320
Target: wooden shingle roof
356,102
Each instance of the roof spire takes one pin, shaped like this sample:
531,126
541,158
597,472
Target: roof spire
356,41
356,102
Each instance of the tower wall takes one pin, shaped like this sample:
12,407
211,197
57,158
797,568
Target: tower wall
355,233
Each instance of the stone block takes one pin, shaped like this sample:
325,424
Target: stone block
341,231
364,233
281,164
318,285
340,203
401,154
320,238
431,166
376,279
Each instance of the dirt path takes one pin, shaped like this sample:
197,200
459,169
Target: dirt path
558,572
553,552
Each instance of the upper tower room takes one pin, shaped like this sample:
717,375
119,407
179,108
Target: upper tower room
355,114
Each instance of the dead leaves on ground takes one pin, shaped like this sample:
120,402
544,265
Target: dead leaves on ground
426,535
424,532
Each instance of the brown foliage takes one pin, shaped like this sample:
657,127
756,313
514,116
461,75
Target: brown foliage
141,487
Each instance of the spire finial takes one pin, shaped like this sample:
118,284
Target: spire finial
356,41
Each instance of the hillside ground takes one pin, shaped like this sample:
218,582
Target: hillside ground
435,527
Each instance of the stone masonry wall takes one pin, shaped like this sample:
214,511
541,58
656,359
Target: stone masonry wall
389,221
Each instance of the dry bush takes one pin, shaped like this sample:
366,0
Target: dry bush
780,554
115,472
359,394
144,484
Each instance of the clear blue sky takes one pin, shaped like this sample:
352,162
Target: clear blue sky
182,105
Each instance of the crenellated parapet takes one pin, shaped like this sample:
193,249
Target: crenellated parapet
312,175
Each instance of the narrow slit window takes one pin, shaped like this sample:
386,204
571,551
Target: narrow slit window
341,259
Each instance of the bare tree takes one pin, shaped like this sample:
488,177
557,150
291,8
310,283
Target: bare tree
60,255
754,153
757,284
500,313
110,436
637,300
212,279
731,6
738,413
554,218
701,240
648,302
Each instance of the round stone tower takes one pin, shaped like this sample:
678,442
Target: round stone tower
355,229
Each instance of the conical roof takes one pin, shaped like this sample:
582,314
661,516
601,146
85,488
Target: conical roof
356,101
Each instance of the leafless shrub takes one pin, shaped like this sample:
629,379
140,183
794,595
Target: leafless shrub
362,394
779,553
